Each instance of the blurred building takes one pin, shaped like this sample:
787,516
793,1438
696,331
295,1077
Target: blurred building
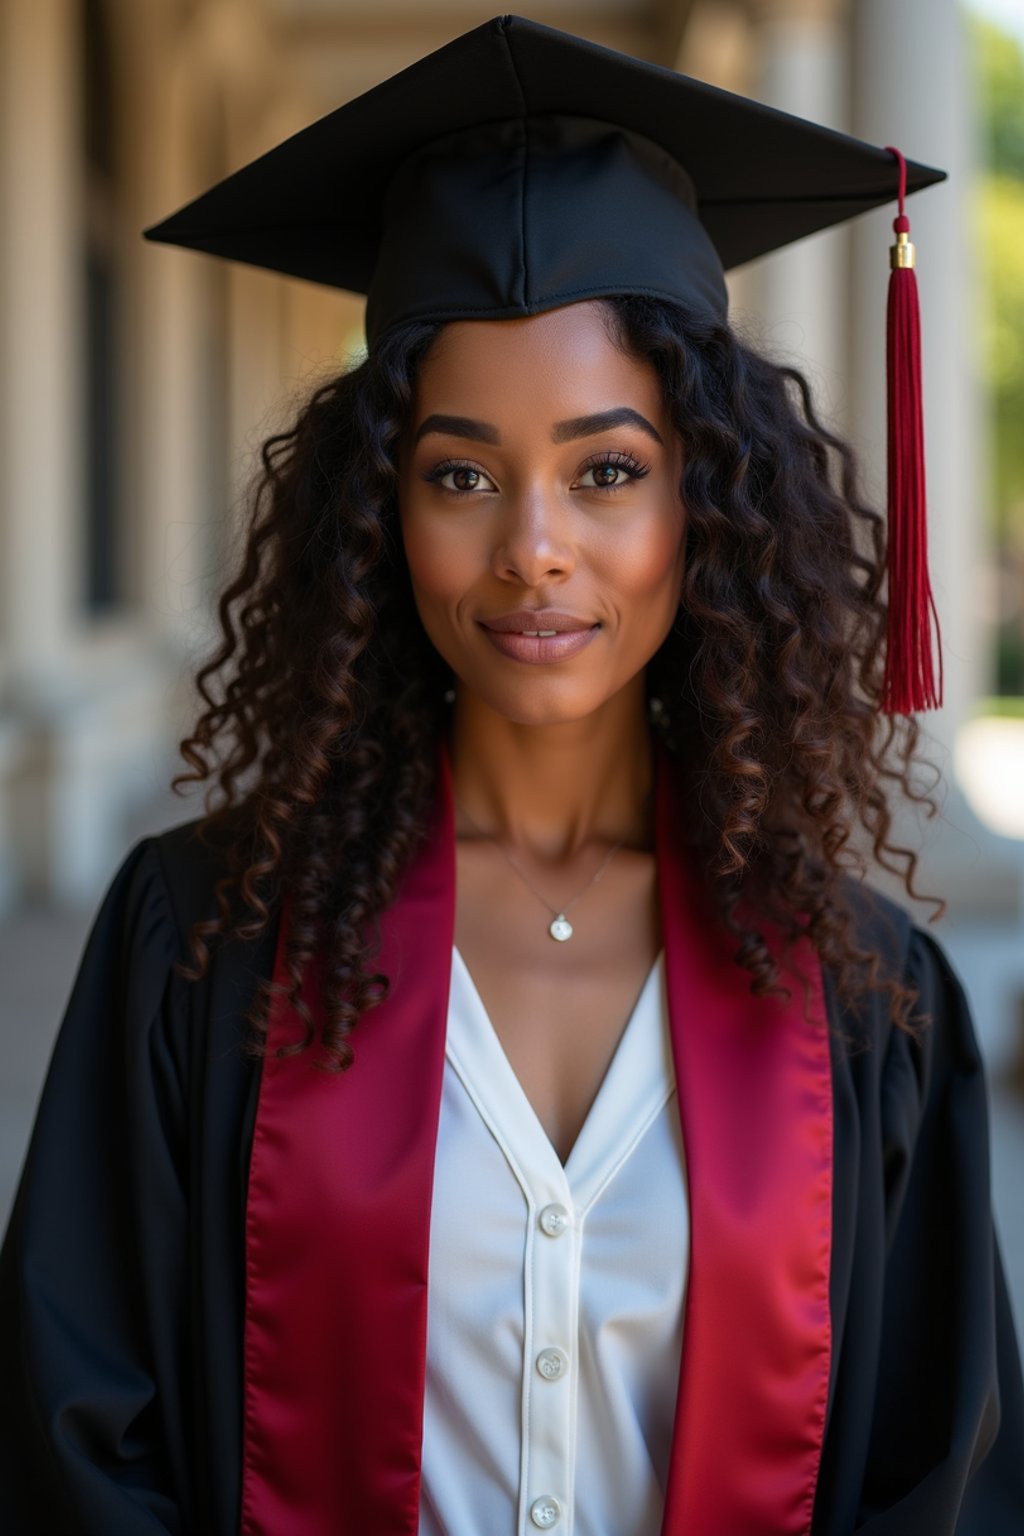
137,382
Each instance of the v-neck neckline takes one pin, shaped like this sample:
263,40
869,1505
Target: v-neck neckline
639,1080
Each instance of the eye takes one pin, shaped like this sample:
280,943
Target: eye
464,477
611,472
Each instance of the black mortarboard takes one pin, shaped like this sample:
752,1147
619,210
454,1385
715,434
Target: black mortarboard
519,168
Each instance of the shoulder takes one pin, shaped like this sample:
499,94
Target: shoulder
167,883
880,925
884,927
912,954
195,848
164,884
174,873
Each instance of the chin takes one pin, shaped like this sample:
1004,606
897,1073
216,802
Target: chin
540,702
545,717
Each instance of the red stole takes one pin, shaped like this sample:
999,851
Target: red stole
338,1225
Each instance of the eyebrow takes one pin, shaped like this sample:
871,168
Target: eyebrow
563,432
590,426
458,426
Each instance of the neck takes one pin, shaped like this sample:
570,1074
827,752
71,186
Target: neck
555,789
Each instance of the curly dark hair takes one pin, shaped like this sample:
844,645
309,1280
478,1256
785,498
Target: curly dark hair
766,694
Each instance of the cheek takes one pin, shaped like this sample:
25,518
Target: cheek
647,564
437,558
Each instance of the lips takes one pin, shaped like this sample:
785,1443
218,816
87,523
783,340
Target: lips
539,635
527,621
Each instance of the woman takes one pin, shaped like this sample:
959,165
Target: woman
555,1134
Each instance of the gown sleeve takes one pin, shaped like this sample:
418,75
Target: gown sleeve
92,1281
946,1449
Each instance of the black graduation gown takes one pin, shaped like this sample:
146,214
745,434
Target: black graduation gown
122,1275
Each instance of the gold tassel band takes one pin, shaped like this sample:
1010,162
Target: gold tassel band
902,254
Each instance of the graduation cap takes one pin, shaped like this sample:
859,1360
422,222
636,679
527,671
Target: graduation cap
519,168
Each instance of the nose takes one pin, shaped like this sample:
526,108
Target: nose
534,543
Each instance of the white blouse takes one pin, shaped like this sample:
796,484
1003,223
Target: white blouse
555,1296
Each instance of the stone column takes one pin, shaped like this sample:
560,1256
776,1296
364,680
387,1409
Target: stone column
41,458
168,293
41,449
793,302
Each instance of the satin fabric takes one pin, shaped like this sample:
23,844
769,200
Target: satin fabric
337,1239
337,1232
755,1096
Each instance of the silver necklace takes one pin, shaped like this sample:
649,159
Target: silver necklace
560,927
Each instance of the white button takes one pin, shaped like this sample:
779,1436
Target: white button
553,1220
551,1363
545,1512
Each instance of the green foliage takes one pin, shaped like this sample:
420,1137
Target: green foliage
999,69
1000,223
1000,706
999,66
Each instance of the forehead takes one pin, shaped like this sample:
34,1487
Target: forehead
562,356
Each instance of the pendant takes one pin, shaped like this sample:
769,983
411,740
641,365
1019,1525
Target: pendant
561,928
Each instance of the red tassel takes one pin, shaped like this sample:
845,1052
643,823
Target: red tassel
910,671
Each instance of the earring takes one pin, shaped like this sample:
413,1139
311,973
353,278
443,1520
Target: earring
449,695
